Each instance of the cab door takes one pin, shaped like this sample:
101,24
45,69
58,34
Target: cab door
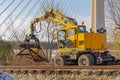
66,38
71,38
62,39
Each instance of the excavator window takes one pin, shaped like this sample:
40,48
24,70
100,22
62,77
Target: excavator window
71,32
66,38
71,40
81,28
62,39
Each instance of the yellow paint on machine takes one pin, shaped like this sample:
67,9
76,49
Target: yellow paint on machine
93,41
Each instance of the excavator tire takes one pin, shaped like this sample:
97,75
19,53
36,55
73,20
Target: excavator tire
86,60
59,61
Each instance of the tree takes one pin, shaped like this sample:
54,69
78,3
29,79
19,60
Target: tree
113,10
11,28
47,34
5,52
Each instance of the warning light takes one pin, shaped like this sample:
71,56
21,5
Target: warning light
82,22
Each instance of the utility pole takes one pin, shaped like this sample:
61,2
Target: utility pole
98,16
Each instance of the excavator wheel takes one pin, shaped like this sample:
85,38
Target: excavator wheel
59,61
86,60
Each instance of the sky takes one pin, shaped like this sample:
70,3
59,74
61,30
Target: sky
83,8
77,9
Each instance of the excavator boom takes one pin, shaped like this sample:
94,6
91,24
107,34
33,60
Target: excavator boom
56,16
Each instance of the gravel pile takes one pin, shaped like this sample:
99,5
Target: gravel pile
7,76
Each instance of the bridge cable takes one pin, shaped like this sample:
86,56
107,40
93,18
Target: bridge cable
27,25
22,10
2,2
43,5
7,7
24,19
76,8
62,7
72,8
69,8
57,6
11,13
65,8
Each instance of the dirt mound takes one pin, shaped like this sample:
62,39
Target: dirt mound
25,61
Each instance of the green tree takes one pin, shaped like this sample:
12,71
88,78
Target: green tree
5,53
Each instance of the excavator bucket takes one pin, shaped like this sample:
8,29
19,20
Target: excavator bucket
32,50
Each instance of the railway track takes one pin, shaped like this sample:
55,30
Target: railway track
63,71
113,67
60,69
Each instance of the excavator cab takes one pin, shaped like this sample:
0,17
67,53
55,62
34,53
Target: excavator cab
67,37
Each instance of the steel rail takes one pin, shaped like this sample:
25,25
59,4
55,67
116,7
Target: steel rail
112,67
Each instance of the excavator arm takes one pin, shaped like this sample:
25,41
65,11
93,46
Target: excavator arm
56,16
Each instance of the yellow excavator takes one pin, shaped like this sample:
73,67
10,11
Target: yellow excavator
75,44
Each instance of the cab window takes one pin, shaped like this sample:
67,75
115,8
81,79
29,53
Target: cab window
71,32
81,28
61,39
61,35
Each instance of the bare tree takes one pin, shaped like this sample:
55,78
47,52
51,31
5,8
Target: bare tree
47,35
14,34
113,10
11,29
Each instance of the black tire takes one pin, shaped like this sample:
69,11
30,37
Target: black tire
59,61
86,60
114,60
